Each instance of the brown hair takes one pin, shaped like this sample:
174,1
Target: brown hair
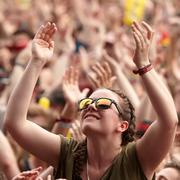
128,115
80,158
80,154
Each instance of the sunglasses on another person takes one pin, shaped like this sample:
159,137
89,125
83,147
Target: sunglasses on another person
100,103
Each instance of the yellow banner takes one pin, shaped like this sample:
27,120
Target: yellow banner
133,11
24,4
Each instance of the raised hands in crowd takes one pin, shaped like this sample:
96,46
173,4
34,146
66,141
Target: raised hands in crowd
70,85
101,75
24,131
106,86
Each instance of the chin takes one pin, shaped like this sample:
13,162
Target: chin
88,128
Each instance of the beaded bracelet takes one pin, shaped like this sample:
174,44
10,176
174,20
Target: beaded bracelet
143,70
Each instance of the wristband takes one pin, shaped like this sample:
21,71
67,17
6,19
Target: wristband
143,70
64,123
65,120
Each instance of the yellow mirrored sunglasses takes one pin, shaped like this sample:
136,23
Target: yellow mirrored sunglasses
100,103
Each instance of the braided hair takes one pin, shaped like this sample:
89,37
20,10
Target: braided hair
80,158
128,115
80,154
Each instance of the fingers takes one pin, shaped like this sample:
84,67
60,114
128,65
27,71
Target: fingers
108,70
70,85
28,174
138,37
39,32
100,72
93,79
49,177
103,75
51,45
46,32
149,30
38,169
140,30
142,34
137,40
76,131
71,76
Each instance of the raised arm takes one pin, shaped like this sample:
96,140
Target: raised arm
155,144
29,135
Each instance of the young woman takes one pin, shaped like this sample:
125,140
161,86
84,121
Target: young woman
107,120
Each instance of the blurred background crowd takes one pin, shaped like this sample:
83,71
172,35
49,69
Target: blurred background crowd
89,32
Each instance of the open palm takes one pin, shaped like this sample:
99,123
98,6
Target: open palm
143,35
43,45
70,86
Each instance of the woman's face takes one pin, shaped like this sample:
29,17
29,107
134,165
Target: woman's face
101,121
168,174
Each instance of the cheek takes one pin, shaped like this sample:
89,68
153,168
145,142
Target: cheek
111,120
80,115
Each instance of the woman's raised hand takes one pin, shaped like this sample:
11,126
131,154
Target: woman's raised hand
42,44
143,35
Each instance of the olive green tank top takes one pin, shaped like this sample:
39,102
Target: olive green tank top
124,167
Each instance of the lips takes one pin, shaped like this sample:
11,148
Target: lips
91,115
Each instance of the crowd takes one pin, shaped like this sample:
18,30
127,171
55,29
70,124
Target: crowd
90,89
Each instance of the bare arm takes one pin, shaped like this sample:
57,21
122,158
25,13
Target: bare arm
8,162
29,135
147,113
156,142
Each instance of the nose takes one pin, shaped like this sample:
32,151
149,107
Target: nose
92,106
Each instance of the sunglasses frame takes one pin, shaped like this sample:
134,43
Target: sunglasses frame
96,100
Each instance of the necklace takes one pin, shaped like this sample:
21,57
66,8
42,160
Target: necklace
87,170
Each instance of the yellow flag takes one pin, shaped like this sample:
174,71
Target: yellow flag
133,11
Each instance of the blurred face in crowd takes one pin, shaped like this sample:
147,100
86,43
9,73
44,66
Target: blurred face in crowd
168,174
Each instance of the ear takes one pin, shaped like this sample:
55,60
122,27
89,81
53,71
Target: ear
123,126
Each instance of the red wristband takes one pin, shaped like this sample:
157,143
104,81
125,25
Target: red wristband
65,120
143,70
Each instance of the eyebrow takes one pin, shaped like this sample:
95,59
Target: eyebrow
161,176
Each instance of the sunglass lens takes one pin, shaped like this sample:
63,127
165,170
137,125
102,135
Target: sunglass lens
84,103
103,103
